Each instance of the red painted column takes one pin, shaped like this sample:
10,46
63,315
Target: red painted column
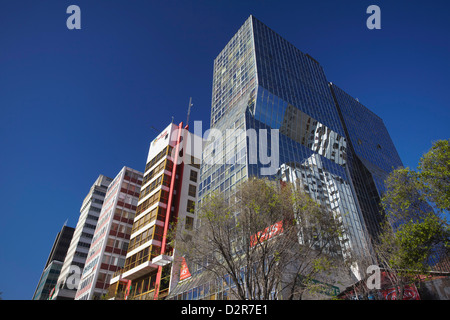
168,210
127,290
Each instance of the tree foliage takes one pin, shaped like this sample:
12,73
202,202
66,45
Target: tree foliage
410,194
269,238
434,174
415,234
410,247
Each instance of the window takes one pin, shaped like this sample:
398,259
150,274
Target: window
101,277
195,162
189,223
193,176
190,206
158,157
106,259
192,190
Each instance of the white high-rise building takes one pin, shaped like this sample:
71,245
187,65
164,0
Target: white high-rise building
111,238
168,194
81,241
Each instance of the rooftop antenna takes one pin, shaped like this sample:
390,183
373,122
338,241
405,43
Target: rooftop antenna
189,110
154,129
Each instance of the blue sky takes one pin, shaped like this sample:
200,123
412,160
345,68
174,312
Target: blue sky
78,103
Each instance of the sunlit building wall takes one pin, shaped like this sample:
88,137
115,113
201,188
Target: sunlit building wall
168,195
111,238
81,240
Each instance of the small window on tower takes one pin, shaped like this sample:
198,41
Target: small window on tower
192,190
190,206
189,223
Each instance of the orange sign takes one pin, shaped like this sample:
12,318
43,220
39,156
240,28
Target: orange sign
184,273
268,233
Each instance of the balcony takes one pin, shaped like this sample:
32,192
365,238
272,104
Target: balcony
162,260
117,276
139,270
134,271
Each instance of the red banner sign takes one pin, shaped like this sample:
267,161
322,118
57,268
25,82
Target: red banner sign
268,233
184,273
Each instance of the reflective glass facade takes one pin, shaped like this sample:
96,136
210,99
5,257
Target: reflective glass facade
329,144
372,155
54,263
48,280
234,73
338,150
368,135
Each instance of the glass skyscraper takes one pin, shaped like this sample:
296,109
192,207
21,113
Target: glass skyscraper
339,152
335,147
54,263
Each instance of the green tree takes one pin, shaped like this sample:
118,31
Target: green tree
406,252
415,231
412,193
403,199
434,174
268,238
